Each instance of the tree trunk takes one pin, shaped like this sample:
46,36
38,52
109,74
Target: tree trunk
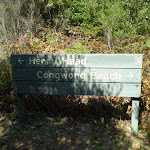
109,36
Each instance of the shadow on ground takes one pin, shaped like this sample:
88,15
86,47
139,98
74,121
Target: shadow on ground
64,122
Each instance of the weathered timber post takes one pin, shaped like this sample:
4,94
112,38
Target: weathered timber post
135,115
21,107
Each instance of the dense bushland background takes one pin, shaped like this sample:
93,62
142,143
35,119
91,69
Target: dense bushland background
73,26
122,18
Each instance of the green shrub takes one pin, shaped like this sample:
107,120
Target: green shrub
78,51
148,43
5,75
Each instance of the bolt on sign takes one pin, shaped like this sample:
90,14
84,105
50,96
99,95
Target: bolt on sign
78,74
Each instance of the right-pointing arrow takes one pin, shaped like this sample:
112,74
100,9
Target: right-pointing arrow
130,75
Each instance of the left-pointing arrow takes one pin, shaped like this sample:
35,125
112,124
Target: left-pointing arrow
20,60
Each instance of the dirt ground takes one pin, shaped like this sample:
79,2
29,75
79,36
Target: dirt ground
62,128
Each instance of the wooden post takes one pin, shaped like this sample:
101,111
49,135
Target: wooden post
135,115
21,107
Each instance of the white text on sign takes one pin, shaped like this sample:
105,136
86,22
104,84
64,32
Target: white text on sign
112,76
55,61
77,76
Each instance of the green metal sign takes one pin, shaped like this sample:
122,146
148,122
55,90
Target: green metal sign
75,74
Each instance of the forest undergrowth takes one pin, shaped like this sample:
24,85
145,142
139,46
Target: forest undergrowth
110,113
